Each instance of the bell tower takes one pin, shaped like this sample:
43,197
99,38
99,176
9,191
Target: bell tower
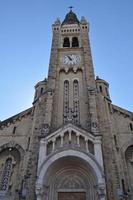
73,143
71,74
70,161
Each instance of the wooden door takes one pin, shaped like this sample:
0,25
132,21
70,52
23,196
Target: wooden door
71,196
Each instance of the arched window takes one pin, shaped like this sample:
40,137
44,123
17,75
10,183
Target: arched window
106,89
66,101
76,102
75,42
101,89
131,126
6,175
66,42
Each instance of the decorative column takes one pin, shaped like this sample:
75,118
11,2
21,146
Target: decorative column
53,144
86,143
70,41
62,136
70,136
78,143
98,151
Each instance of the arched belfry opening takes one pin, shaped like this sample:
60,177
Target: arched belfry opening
66,42
75,42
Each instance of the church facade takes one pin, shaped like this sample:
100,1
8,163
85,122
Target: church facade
73,143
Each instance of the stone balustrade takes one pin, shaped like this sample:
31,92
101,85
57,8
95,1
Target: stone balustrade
69,139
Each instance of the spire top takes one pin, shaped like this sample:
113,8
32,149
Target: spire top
70,7
70,18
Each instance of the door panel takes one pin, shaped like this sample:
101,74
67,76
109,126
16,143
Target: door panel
71,196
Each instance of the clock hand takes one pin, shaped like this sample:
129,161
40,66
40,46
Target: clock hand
69,58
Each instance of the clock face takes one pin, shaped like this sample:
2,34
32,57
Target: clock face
71,59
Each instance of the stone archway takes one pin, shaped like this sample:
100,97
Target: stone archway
67,179
70,173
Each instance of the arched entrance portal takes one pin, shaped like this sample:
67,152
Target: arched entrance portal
70,175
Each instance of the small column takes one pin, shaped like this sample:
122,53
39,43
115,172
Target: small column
53,144
86,143
98,152
78,143
62,140
70,41
70,136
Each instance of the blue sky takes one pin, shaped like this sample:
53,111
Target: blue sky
25,41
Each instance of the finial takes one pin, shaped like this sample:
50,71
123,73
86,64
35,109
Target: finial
71,7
